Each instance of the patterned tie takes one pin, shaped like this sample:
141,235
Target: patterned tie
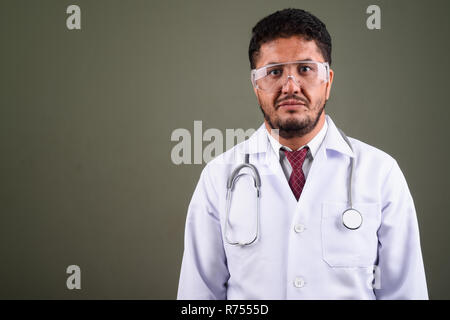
297,179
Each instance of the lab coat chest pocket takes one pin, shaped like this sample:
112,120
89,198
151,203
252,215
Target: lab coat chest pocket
342,247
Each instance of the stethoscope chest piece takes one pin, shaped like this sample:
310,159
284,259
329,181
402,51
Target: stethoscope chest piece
352,219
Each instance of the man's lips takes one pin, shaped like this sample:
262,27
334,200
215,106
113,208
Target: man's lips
291,104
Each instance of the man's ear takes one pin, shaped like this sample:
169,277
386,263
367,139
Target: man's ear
255,91
330,82
257,95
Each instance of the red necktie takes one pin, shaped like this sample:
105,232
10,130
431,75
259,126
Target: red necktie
297,179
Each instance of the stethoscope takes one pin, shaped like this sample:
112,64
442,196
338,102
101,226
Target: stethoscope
351,218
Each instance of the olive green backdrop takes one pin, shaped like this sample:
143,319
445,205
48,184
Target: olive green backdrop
86,118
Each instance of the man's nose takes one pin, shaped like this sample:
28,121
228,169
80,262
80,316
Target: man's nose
291,86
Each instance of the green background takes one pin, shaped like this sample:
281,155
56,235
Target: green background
86,117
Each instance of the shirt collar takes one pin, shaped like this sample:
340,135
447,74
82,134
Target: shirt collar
313,145
333,140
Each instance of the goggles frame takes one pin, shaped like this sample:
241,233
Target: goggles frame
322,67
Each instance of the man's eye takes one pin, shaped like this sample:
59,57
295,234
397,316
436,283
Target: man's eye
305,68
275,72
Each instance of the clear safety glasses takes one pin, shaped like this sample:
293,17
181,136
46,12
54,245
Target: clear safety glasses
305,73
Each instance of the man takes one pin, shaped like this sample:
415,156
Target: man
304,242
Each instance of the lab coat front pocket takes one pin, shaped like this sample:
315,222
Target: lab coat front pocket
342,247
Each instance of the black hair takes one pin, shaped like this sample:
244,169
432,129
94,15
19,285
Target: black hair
287,23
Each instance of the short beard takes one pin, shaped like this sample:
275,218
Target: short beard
293,128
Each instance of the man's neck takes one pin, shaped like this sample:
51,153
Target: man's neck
295,143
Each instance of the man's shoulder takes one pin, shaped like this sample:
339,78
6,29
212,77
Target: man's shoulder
255,143
369,153
228,158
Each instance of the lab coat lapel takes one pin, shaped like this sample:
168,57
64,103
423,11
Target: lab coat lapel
310,186
259,144
276,169
333,140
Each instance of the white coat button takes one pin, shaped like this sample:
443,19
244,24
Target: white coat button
299,228
299,282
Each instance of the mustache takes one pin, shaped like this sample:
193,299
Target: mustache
294,97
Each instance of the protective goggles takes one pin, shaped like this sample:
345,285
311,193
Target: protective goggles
305,73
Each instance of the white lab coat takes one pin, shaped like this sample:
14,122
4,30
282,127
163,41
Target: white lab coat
303,250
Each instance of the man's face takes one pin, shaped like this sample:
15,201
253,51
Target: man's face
298,119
